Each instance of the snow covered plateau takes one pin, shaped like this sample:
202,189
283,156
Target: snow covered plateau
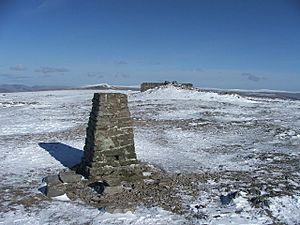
246,144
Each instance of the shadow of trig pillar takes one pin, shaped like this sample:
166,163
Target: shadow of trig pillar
109,152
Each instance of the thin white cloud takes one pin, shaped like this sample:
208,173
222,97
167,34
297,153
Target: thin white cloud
122,75
97,75
48,70
252,77
18,67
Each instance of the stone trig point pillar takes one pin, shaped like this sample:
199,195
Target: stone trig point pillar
109,152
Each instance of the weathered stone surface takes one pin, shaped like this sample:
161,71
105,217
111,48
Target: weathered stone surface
113,190
150,85
52,180
69,177
55,190
109,145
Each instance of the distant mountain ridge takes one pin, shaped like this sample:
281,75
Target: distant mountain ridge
257,93
9,88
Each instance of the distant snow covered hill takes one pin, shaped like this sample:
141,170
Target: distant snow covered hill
104,86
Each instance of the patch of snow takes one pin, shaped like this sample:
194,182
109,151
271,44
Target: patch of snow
56,212
63,198
61,213
196,151
146,174
210,211
286,209
172,93
97,85
52,111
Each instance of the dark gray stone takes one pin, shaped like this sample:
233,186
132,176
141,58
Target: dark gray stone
98,186
55,190
52,180
254,191
227,199
260,201
69,177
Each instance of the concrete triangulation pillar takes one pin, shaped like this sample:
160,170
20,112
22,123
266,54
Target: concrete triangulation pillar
109,152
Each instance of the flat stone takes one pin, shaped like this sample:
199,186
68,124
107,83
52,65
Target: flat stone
113,180
52,180
69,177
55,190
150,181
113,190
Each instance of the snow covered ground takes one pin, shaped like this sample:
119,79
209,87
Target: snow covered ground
240,142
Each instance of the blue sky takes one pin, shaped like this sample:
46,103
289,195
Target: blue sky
246,44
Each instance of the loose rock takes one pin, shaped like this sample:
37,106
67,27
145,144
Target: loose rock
55,190
69,177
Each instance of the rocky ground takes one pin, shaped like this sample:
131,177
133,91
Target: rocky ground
172,191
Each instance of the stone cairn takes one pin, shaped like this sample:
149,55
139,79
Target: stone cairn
109,153
151,85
